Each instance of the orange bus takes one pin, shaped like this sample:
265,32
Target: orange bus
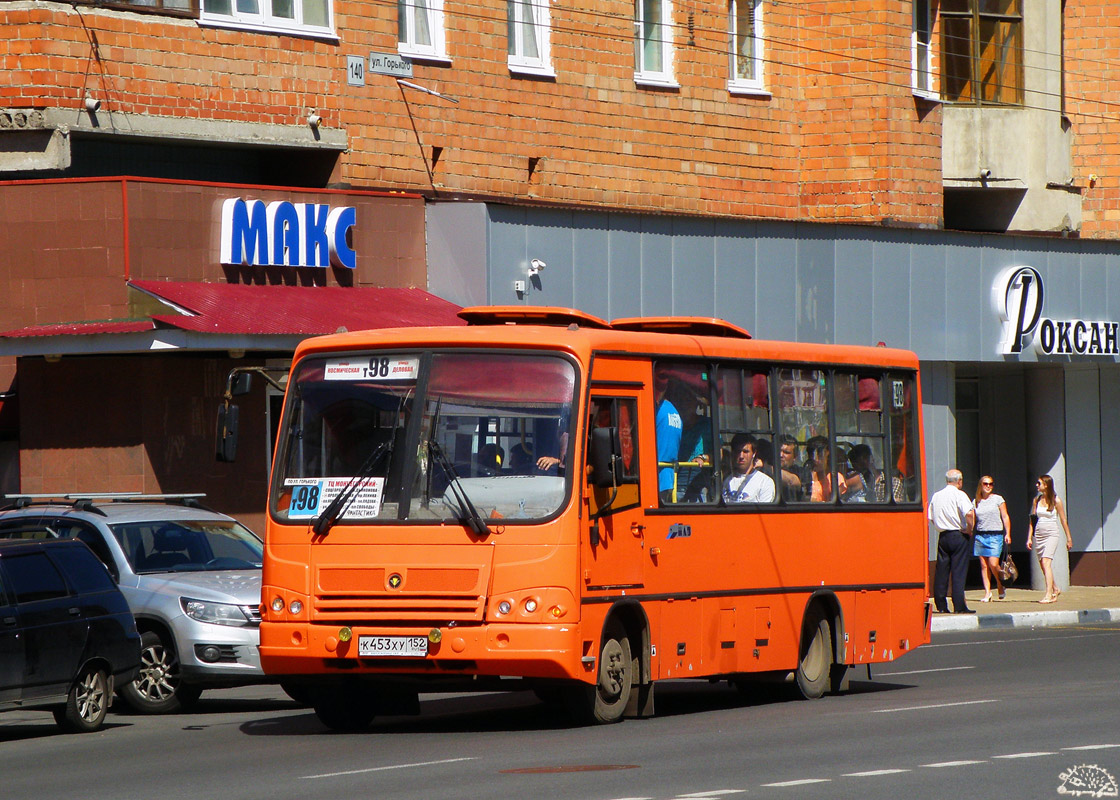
542,499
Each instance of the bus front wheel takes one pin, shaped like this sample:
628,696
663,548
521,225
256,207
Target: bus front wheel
616,675
349,708
606,700
814,667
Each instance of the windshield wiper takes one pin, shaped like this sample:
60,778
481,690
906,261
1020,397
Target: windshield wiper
341,502
469,514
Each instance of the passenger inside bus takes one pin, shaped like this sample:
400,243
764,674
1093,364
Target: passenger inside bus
823,483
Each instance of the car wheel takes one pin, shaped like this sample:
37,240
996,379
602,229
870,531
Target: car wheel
87,703
158,688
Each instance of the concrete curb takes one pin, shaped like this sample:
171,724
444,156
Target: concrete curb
948,623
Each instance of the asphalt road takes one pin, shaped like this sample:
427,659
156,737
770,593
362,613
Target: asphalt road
1014,713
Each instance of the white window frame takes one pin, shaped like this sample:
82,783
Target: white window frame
663,74
735,84
266,21
541,31
922,58
408,46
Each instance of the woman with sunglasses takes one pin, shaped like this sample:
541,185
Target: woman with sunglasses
1048,520
993,531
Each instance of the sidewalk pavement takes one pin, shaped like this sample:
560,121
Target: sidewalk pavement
1077,605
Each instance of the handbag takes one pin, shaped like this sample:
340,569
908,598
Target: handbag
1008,572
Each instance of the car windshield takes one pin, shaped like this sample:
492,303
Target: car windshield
407,435
188,546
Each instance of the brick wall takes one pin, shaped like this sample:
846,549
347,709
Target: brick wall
837,137
1092,58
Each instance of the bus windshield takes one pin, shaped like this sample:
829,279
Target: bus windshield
415,435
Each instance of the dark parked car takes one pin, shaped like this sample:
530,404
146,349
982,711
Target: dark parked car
67,636
191,576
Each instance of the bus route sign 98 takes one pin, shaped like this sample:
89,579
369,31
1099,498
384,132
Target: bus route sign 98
311,495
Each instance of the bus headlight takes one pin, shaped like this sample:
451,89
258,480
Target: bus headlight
504,607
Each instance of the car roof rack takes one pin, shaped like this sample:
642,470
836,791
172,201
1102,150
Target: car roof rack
86,501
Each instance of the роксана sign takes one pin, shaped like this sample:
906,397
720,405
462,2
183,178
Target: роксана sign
1018,297
283,234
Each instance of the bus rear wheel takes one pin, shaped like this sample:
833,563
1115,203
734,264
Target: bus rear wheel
814,667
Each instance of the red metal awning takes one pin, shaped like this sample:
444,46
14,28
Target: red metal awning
249,310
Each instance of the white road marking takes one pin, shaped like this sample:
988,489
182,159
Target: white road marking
1026,755
712,793
934,705
1092,747
920,671
871,773
390,766
801,782
941,764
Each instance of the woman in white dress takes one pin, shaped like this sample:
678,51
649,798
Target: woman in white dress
1048,521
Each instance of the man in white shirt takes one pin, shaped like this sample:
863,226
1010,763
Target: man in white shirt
952,516
748,483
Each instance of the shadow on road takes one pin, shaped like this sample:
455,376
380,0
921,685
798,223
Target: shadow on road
523,711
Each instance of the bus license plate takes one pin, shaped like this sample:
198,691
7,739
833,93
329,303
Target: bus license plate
393,646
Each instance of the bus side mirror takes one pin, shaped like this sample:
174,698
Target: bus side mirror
240,384
227,432
605,458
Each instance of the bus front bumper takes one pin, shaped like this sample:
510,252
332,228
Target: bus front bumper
532,651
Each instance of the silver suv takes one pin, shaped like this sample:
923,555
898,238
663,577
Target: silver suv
192,578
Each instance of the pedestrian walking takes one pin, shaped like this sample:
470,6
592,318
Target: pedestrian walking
1048,520
993,532
951,514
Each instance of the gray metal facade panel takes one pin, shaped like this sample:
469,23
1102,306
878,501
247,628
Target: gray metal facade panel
657,266
1092,270
507,259
694,292
816,287
625,252
591,265
735,268
776,287
890,298
928,301
929,291
853,287
552,243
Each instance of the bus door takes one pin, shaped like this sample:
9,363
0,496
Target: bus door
613,545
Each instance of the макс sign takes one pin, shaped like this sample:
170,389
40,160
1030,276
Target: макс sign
283,234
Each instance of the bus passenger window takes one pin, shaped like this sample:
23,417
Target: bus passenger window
747,463
860,432
901,397
803,415
683,422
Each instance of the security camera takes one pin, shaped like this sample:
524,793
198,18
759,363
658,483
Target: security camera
985,174
92,104
536,265
313,119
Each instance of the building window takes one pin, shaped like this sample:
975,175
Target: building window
528,24
982,51
746,45
313,17
420,29
921,56
653,44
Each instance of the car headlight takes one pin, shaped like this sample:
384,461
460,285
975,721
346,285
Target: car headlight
214,613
